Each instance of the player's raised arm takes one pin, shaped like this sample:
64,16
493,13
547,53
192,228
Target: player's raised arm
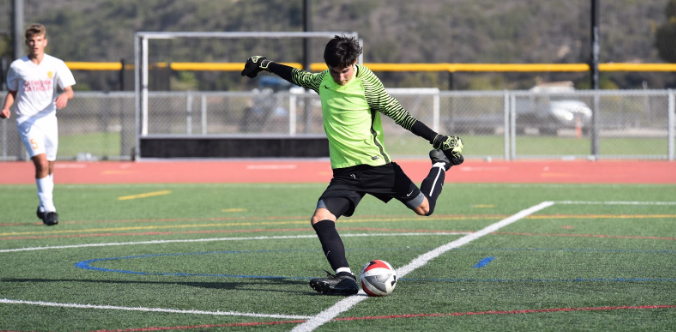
384,103
257,64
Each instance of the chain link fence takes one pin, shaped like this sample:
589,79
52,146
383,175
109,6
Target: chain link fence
506,125
94,126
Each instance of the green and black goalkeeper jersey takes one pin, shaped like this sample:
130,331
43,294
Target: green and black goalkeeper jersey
352,115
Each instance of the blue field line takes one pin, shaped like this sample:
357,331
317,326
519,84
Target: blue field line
483,262
87,265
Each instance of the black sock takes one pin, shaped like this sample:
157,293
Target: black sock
432,185
331,243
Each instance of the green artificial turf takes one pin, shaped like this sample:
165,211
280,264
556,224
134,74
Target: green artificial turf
249,248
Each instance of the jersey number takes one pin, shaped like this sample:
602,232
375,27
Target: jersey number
34,144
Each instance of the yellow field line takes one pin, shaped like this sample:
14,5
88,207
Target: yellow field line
211,225
156,227
156,193
343,221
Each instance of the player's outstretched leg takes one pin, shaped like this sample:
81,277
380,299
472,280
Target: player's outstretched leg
434,182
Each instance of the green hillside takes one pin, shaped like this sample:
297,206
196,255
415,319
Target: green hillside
397,31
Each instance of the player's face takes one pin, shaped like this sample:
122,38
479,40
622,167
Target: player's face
36,45
342,75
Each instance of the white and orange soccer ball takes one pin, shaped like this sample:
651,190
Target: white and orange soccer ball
378,278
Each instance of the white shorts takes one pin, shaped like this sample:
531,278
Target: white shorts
40,136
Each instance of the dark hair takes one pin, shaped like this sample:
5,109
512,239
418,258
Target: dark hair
342,51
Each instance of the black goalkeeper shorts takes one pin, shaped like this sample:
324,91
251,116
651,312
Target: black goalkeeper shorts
384,182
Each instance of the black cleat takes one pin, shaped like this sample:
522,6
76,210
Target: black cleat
439,157
341,284
41,214
450,159
51,219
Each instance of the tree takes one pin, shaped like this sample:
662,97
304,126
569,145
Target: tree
665,36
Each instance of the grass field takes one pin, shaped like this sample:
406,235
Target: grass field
98,144
228,257
108,144
528,145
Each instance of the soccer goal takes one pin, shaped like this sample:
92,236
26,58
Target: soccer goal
186,113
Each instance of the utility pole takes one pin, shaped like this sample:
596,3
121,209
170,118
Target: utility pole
307,27
595,48
17,27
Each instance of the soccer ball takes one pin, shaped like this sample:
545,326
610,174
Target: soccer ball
378,278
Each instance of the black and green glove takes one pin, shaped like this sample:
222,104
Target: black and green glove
451,146
255,65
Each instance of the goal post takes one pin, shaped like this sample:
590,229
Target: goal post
142,63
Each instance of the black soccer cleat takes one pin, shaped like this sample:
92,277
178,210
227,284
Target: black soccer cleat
341,284
439,157
51,219
41,214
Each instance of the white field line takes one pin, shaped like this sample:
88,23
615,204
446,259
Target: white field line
421,260
313,236
615,203
174,311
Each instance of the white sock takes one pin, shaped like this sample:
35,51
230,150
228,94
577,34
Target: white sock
344,269
51,179
440,165
45,190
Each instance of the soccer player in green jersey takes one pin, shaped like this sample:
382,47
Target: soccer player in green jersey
352,100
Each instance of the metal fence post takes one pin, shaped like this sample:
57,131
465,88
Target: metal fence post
512,126
671,120
292,114
596,112
188,116
435,112
204,114
4,139
137,100
144,86
506,134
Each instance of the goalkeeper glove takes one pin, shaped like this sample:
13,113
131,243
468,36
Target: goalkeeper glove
255,65
451,146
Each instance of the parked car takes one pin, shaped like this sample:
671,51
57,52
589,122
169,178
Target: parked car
548,115
548,108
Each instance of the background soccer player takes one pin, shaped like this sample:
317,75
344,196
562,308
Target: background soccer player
352,99
32,82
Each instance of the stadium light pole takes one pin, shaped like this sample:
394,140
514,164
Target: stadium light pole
595,48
